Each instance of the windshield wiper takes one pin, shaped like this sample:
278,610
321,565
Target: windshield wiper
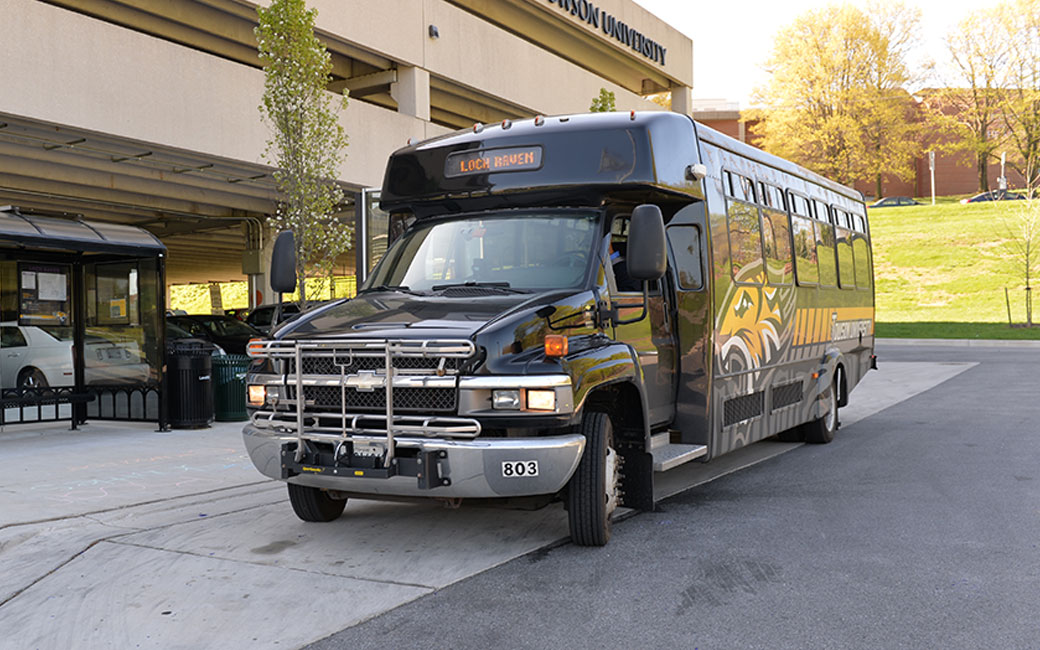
389,287
495,286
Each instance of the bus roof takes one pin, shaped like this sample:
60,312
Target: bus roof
596,152
710,135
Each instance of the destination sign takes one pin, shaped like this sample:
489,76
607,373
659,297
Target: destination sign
487,161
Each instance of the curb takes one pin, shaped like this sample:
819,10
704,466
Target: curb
960,343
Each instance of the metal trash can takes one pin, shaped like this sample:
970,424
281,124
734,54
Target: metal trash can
229,387
190,377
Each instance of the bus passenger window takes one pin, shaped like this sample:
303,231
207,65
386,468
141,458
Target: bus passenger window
685,242
805,251
797,205
861,252
745,242
846,269
825,253
740,187
776,238
821,210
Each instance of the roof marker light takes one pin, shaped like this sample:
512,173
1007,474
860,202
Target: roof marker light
506,124
478,127
539,120
411,141
632,115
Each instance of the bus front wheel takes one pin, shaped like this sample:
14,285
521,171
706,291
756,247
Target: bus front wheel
592,494
313,504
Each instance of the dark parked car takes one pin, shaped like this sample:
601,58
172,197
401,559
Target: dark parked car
229,333
263,317
176,335
994,195
893,201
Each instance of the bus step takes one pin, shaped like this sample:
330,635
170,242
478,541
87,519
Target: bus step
668,455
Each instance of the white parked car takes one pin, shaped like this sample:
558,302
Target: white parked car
33,357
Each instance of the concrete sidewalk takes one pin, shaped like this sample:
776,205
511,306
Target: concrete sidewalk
118,536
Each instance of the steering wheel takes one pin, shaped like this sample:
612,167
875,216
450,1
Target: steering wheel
575,259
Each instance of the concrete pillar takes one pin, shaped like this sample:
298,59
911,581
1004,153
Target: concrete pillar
411,91
682,99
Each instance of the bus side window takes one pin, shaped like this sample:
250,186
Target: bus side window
745,241
797,205
804,251
846,268
825,253
685,242
623,282
776,238
861,252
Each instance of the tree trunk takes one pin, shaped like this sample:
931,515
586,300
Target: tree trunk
878,188
980,160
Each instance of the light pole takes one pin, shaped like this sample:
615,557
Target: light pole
931,167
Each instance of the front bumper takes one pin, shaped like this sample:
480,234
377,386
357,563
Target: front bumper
473,468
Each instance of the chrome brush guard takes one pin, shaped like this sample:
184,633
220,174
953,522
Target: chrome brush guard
389,363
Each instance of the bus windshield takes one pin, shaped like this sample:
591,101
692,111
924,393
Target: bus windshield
528,251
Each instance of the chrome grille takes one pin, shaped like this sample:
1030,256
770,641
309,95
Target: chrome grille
348,365
406,400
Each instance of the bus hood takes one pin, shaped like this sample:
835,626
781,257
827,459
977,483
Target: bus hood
402,315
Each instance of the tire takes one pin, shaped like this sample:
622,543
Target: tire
32,378
313,504
592,494
822,430
795,434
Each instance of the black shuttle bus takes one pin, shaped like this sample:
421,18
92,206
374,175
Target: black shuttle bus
570,305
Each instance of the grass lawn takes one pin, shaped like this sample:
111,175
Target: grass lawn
941,271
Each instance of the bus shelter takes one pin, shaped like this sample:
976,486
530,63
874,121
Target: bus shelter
82,313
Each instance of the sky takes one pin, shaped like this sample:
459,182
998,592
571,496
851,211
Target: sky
731,40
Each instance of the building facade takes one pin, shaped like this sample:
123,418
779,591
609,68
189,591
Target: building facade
145,112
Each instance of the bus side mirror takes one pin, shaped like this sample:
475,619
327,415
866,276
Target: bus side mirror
283,263
647,251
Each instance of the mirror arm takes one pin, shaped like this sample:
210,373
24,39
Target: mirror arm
642,314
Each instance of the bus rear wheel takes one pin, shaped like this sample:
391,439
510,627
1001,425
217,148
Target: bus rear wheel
592,494
313,504
822,430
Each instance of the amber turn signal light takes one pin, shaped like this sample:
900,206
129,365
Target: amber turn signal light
555,345
254,347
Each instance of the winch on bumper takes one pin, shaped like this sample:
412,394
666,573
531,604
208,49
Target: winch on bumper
439,468
398,418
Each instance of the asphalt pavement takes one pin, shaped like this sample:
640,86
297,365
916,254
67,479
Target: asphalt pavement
917,527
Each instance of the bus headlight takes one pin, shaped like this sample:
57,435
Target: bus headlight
505,400
541,400
256,395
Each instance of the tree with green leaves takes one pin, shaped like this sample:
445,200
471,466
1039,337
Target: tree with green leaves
1022,245
966,111
836,101
604,103
1020,105
307,142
